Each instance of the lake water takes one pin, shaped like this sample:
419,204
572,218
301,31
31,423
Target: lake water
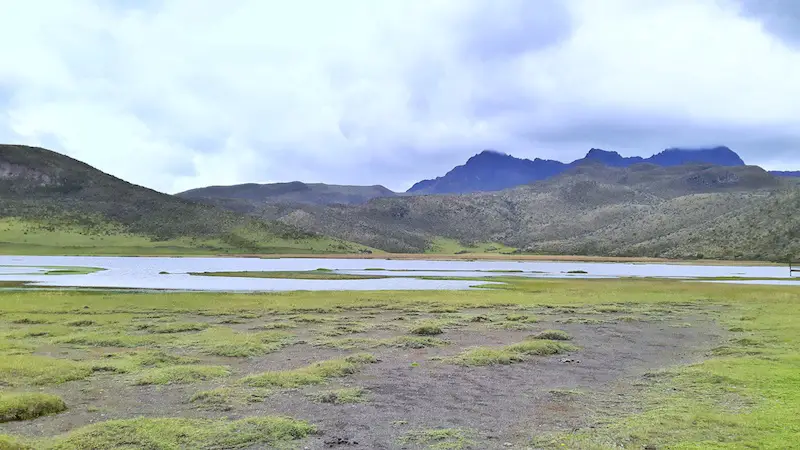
146,272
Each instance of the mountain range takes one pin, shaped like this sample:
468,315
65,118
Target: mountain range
486,171
603,204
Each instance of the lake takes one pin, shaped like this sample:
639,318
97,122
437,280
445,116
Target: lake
149,272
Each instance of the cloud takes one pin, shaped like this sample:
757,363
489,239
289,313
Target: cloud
183,93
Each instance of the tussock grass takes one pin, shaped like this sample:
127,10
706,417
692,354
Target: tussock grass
102,339
316,373
426,329
176,327
180,374
552,335
18,370
440,438
510,354
226,398
398,342
175,433
28,405
227,342
340,396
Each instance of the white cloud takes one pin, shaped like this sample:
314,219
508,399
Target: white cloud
188,93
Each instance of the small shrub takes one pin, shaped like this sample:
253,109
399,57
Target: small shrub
26,406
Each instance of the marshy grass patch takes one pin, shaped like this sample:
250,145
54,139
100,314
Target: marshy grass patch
352,343
17,370
29,405
180,374
426,329
316,373
509,354
223,341
106,339
440,439
174,433
340,396
227,398
552,335
177,327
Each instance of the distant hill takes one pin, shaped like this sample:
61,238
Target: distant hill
494,171
786,173
689,211
294,192
50,202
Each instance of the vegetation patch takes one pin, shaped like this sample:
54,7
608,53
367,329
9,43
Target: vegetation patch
552,335
175,433
17,370
175,327
398,342
27,405
426,329
514,353
227,342
340,396
181,374
316,373
440,439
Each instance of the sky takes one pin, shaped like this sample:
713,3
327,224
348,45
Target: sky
178,94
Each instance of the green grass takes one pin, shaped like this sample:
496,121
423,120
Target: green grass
426,329
219,341
552,335
316,373
510,354
28,405
175,327
340,396
177,433
744,395
296,275
181,374
19,370
34,237
453,247
397,342
440,439
226,398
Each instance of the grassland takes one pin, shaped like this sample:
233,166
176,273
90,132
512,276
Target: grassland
587,364
102,238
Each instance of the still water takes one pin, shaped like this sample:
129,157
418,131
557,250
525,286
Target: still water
173,273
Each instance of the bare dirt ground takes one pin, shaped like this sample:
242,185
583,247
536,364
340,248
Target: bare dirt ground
418,397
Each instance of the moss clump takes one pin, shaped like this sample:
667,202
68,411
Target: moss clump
514,353
552,335
28,405
174,433
39,370
427,329
316,373
181,374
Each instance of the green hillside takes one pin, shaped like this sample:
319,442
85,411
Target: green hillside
53,204
644,210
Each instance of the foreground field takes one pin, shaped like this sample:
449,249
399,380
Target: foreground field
586,364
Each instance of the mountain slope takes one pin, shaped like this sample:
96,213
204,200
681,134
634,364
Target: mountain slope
48,200
294,192
493,171
643,210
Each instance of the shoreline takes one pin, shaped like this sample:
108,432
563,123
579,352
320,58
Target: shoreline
435,257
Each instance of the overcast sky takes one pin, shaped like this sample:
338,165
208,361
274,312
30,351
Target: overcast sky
175,94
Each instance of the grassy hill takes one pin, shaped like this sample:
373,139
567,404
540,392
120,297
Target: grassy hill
50,203
696,211
294,192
